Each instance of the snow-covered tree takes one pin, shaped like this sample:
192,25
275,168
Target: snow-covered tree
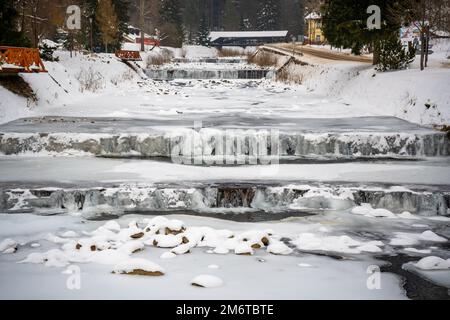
47,52
172,22
393,55
9,21
231,17
203,33
268,15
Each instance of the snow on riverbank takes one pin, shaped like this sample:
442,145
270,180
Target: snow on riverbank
417,96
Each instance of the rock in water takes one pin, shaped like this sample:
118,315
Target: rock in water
140,267
207,281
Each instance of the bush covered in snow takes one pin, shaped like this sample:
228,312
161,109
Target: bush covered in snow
90,80
127,75
263,59
160,58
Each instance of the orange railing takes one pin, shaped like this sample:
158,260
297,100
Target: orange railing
20,60
127,55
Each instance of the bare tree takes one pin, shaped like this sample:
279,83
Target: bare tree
107,20
427,16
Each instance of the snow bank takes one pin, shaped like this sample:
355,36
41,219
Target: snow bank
341,244
168,255
199,52
8,246
207,281
366,210
431,236
67,81
409,239
433,263
417,96
414,250
279,248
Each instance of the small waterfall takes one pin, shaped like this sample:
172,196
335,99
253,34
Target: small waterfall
213,144
211,60
172,74
130,198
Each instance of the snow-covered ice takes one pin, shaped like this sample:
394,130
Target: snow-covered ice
433,263
96,266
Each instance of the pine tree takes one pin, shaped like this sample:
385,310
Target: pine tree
393,55
231,18
268,15
122,10
47,52
107,21
245,24
191,18
203,33
345,25
9,33
170,12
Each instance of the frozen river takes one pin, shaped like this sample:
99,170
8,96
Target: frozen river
354,190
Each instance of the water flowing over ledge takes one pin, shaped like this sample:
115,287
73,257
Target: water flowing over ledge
220,198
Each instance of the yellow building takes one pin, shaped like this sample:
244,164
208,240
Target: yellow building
314,33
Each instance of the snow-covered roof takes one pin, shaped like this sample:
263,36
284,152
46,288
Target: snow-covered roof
313,16
247,34
132,37
49,43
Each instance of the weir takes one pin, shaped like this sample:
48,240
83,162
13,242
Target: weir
216,144
172,74
217,198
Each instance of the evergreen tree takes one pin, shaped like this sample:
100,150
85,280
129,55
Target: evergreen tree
172,22
170,11
290,11
393,55
231,18
9,33
345,25
123,16
245,24
249,14
47,52
203,33
268,15
191,18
